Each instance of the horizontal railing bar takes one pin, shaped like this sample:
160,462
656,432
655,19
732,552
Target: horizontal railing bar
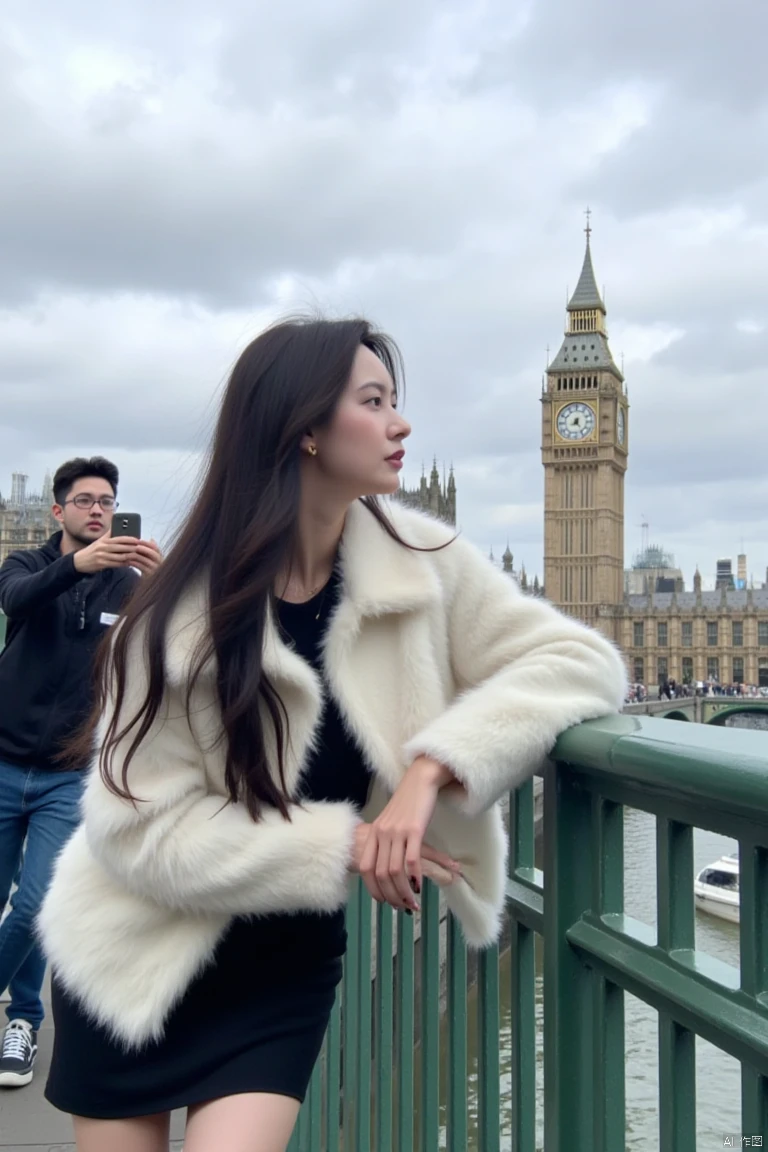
532,878
683,811
526,905
681,763
725,1017
699,965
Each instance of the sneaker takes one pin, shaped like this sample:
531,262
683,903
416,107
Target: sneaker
17,1058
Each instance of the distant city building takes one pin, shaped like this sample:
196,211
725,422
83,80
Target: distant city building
438,497
724,577
25,517
653,570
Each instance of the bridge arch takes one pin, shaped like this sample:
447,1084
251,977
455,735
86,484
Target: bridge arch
744,709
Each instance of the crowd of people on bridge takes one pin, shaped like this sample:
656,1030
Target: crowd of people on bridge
671,689
198,750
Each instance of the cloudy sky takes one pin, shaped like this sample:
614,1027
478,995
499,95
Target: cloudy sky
176,174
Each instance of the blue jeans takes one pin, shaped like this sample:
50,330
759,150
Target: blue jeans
39,811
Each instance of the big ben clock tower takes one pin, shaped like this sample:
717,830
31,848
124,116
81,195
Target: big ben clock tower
584,451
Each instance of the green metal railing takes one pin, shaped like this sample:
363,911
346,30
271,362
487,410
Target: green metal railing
390,1078
706,778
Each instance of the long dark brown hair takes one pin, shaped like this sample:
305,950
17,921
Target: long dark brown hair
239,533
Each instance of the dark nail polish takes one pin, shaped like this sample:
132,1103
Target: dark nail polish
415,886
408,912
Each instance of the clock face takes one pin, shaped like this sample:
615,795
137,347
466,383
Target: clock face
621,425
575,422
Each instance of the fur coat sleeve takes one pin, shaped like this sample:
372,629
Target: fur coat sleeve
524,673
185,847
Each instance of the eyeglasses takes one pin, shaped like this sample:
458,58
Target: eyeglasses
86,502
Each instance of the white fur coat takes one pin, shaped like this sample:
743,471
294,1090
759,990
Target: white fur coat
427,652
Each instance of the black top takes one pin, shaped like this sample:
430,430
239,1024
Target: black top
335,771
56,618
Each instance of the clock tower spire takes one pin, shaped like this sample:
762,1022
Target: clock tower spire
584,453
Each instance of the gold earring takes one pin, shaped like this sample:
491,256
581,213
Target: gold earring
312,449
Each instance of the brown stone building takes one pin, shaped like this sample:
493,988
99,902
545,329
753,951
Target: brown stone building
697,636
25,518
689,636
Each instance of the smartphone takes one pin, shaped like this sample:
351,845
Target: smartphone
126,524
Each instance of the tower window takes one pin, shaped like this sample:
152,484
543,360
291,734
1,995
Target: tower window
639,670
686,637
738,633
712,634
661,634
638,630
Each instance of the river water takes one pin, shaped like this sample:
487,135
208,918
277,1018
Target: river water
718,1075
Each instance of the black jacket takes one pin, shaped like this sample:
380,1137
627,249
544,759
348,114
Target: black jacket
56,618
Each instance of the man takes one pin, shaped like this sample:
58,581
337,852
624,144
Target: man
59,599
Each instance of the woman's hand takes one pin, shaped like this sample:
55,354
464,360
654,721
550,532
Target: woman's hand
437,866
389,852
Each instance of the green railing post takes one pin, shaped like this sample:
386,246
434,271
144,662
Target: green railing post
753,931
523,978
364,1023
458,1075
405,1037
567,983
430,1018
608,1103
488,1104
677,1047
350,1010
385,979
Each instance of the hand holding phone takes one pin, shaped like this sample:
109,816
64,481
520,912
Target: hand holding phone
106,552
146,556
123,548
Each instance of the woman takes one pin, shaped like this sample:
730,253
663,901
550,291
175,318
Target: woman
300,655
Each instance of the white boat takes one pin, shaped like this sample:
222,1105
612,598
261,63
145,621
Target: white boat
716,888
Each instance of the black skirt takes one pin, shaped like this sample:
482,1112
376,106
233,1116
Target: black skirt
253,1021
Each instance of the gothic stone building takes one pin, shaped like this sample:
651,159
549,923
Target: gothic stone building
436,497
25,519
694,636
